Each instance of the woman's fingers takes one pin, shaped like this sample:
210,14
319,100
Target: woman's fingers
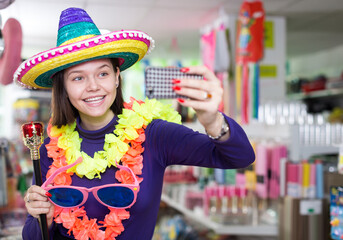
201,94
40,204
204,96
36,201
201,70
35,208
35,193
193,93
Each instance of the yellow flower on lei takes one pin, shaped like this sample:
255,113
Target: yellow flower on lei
92,166
71,142
115,146
130,118
56,132
153,109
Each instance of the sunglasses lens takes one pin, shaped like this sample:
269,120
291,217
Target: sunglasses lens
66,197
117,196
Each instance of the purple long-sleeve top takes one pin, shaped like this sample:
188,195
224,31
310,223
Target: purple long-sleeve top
166,144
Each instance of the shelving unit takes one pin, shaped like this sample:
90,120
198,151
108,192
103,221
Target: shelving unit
241,230
317,94
258,130
44,94
298,151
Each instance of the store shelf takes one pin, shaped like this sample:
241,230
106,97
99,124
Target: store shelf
299,151
45,94
11,233
261,130
254,129
239,230
316,94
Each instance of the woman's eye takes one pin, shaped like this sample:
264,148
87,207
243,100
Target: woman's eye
77,78
103,74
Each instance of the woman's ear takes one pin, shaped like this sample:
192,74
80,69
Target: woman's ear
117,73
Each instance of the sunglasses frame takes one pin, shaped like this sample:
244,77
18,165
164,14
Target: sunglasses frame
133,187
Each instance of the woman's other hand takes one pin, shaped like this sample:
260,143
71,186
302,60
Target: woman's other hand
36,202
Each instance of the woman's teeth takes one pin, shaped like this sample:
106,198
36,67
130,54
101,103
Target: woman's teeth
94,99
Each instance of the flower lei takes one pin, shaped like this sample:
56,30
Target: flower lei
124,145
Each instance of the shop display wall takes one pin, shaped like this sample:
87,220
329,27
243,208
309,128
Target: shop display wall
290,172
18,106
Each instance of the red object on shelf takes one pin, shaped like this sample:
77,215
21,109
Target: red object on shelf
314,86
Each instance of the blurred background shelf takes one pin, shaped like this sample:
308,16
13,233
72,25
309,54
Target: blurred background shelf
317,94
239,230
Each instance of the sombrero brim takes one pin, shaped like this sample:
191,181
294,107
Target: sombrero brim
128,46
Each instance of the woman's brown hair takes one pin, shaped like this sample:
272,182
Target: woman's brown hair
63,112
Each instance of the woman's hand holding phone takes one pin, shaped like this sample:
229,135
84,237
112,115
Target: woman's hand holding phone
196,87
204,96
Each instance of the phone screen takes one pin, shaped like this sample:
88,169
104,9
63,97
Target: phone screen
159,81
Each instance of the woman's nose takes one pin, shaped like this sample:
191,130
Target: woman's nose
92,84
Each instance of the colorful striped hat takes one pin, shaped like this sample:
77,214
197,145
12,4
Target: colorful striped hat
79,40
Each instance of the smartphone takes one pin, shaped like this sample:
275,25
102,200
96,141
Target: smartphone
159,81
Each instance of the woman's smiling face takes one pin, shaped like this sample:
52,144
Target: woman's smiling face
91,89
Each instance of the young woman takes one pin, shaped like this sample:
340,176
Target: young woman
104,160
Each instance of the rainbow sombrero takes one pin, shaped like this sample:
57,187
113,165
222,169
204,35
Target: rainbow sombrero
79,40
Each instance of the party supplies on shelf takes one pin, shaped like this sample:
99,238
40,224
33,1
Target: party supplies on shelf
230,176
283,189
240,178
311,193
219,175
278,152
340,160
319,179
250,177
306,178
261,168
336,212
26,110
293,186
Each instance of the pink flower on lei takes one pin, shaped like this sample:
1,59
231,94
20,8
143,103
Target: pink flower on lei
113,222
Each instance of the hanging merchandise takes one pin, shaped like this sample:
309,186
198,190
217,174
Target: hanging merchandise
249,50
10,49
207,44
221,57
5,3
215,49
